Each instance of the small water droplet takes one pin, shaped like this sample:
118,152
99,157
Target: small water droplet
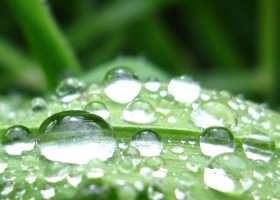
133,154
156,190
194,163
121,85
74,105
177,149
95,168
229,173
152,84
76,137
3,163
38,104
56,171
54,108
127,192
70,89
30,177
75,176
140,112
258,145
172,120
184,89
214,113
29,160
148,142
216,140
48,192
125,165
260,169
94,97
164,104
98,108
16,139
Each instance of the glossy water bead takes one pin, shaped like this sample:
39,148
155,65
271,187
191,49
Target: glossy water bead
214,113
16,139
98,108
229,173
148,142
76,137
121,85
216,140
184,89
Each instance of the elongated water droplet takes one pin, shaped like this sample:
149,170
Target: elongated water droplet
216,140
184,89
148,142
152,84
121,85
76,137
98,108
70,89
229,173
3,163
214,113
258,145
16,139
140,112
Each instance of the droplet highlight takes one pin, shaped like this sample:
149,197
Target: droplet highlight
98,108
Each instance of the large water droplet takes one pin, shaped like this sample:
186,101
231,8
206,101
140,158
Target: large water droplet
16,139
98,108
121,85
229,173
148,142
258,145
140,112
214,113
216,140
184,89
70,89
76,137
152,84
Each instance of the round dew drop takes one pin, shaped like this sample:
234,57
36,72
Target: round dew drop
3,163
184,89
38,104
148,142
214,113
216,140
140,112
98,108
152,84
17,139
76,137
229,173
259,146
121,85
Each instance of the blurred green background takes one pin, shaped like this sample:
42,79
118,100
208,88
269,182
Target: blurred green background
224,45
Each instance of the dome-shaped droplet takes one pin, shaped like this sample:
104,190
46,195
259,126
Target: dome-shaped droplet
54,108
184,89
29,160
38,104
214,113
121,85
164,104
258,145
133,154
229,173
56,171
3,163
152,84
95,168
70,89
148,142
16,139
125,165
76,137
260,169
75,176
98,108
140,112
216,140
194,163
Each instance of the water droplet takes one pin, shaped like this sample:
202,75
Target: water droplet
172,120
184,89
98,108
29,160
214,113
38,104
148,142
56,171
177,149
156,190
127,192
216,140
154,166
194,163
54,108
76,137
16,139
125,165
30,177
152,84
3,163
94,97
6,187
258,145
95,168
74,105
48,192
164,104
133,154
139,111
229,173
121,85
75,176
260,169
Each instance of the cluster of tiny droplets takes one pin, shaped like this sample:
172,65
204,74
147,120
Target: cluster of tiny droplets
231,151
